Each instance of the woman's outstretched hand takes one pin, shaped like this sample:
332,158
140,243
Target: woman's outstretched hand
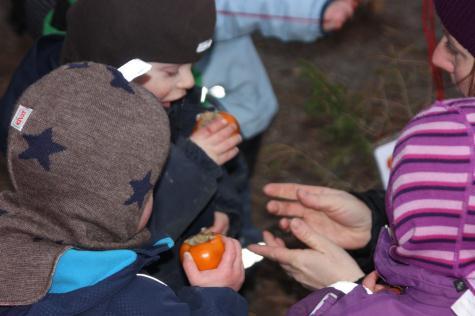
322,264
337,215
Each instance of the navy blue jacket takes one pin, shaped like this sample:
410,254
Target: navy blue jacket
185,188
109,283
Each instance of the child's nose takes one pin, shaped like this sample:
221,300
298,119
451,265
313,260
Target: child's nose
187,81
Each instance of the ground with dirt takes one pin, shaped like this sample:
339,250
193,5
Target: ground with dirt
375,69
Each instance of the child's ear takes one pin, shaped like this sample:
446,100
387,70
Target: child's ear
146,212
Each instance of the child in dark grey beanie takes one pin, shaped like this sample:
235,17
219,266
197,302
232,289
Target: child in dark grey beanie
83,170
170,35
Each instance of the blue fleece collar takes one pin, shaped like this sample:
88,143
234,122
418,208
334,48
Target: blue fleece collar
77,269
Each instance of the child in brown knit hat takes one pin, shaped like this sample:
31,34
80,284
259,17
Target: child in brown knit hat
82,169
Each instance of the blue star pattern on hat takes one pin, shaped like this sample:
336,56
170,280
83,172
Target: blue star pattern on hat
119,81
141,188
41,147
78,65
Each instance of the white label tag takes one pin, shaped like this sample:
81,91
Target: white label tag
204,93
383,155
20,117
204,46
322,302
346,287
465,305
217,91
249,258
134,68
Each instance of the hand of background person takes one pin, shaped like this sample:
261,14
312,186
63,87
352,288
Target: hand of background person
229,273
221,223
337,13
324,263
335,214
217,140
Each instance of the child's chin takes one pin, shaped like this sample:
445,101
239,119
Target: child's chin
166,105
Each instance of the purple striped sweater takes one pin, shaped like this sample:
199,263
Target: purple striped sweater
431,193
430,202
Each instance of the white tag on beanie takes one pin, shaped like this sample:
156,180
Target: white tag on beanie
134,68
20,117
204,46
465,305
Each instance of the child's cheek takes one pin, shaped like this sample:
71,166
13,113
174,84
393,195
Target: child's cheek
152,85
154,90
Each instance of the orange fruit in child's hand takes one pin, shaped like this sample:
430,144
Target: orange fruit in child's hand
206,248
205,118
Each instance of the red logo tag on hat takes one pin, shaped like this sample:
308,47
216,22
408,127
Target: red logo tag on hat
20,117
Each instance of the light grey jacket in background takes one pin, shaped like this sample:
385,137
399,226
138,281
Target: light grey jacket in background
234,62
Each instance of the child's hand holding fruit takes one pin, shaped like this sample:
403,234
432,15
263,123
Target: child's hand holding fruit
229,271
217,134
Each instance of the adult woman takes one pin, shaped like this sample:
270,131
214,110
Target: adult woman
329,220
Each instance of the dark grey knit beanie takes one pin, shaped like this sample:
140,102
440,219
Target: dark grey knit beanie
115,31
84,151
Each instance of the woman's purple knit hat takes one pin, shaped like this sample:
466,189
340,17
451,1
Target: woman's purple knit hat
457,16
431,192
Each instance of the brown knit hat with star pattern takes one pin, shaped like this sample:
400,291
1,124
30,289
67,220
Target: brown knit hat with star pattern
84,151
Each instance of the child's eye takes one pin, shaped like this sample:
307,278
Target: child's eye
172,73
